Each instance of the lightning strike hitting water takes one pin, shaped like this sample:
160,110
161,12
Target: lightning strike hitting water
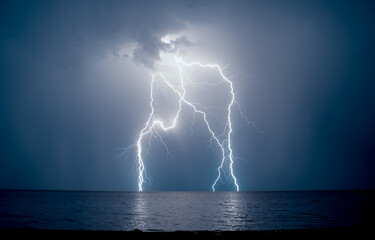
152,122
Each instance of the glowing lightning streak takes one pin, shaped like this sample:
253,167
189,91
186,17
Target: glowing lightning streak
229,122
152,122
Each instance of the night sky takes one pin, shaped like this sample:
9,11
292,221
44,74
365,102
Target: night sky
75,83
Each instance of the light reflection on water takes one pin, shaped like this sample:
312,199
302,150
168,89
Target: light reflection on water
172,211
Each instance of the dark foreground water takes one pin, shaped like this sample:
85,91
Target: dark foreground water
172,211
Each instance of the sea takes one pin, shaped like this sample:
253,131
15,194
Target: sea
186,211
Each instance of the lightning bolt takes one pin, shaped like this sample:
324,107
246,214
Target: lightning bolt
152,123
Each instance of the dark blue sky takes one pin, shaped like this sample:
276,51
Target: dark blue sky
75,79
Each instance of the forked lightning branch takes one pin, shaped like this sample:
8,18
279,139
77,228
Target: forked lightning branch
223,140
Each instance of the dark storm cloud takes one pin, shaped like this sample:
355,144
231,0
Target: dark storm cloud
307,82
69,31
148,52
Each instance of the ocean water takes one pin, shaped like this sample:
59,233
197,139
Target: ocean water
194,211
